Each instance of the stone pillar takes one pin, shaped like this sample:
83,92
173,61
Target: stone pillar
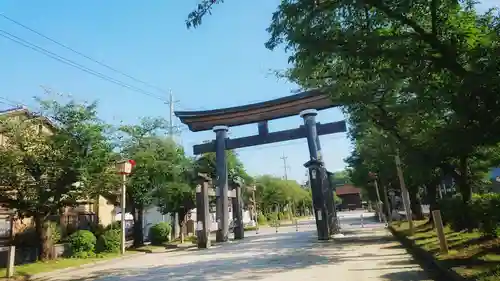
317,174
332,206
222,184
202,213
239,229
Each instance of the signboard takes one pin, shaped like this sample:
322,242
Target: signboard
5,227
320,216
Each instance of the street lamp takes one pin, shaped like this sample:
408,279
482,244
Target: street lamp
124,168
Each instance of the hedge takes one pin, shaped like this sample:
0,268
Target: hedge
482,212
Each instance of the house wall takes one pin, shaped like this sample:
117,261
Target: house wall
105,211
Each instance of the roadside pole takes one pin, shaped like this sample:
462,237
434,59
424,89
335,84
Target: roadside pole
404,193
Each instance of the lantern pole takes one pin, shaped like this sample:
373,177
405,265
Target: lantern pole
124,168
123,206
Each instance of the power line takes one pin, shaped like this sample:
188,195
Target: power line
82,54
74,64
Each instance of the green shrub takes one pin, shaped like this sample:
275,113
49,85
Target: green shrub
486,212
261,219
159,233
98,229
273,219
109,241
82,243
483,213
453,212
114,225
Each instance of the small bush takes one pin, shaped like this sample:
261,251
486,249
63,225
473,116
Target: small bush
483,213
261,219
113,225
98,229
486,212
452,211
159,233
82,243
109,241
273,219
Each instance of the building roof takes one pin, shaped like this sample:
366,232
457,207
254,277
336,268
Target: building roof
347,189
256,112
23,110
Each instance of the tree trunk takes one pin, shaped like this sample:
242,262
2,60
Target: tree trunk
415,205
138,226
432,198
463,180
182,223
466,192
44,241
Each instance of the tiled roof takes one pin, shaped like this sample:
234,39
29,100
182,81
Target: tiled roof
347,189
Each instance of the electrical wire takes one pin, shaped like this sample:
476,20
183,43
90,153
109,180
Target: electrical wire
82,54
74,64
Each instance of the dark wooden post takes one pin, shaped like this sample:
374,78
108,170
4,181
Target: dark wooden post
317,174
237,200
331,206
202,212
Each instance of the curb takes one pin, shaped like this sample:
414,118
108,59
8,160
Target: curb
426,258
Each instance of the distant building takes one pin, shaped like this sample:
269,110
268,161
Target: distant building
350,195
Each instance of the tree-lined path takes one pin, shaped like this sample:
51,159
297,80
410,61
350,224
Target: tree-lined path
363,254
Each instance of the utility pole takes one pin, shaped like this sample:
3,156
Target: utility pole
171,127
285,166
171,132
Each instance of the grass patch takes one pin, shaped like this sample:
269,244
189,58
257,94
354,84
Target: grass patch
23,272
470,254
250,228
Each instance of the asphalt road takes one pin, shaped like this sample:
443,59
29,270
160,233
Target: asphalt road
365,253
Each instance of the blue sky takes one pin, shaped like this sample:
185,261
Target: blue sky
223,63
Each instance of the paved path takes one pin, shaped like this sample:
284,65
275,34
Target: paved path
362,255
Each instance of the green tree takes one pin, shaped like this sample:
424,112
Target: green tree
206,164
274,194
177,195
156,160
44,171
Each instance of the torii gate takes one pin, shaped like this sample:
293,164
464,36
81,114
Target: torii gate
305,104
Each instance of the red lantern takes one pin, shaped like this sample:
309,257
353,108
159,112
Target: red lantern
124,167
